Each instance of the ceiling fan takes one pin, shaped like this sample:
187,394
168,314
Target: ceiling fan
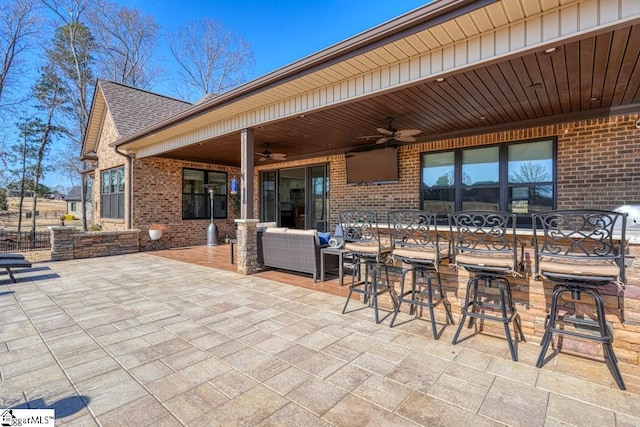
392,134
268,155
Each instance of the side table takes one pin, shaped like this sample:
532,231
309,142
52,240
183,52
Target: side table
339,252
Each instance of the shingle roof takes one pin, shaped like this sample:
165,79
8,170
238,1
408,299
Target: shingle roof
135,109
75,195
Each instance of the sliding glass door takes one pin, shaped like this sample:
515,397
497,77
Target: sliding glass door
295,197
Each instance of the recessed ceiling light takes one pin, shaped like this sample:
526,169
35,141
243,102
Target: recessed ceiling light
550,50
440,79
483,118
594,99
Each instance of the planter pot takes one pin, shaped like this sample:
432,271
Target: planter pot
155,234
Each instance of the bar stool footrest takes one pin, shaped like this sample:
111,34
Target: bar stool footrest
585,328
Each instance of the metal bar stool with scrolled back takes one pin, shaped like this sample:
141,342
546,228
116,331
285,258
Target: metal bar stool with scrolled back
363,243
577,251
416,243
484,244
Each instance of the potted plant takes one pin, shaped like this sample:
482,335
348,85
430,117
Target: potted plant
155,231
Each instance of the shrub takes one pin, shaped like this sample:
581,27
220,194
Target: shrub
95,227
69,217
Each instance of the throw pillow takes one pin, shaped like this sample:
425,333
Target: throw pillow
324,238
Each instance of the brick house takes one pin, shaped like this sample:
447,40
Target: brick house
521,107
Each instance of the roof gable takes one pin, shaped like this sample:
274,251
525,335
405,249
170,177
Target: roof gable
131,110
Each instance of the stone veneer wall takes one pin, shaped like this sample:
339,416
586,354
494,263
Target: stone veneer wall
67,243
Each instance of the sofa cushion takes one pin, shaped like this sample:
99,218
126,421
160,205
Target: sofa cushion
276,230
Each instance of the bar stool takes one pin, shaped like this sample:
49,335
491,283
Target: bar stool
362,241
484,243
415,242
577,251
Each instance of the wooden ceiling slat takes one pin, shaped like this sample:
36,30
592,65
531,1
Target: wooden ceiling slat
601,55
483,97
616,56
516,85
562,80
572,59
496,74
526,81
587,55
628,68
483,78
550,86
535,74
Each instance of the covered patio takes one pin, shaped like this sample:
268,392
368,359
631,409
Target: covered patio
143,339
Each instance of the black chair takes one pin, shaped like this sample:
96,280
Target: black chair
577,250
363,243
484,243
415,242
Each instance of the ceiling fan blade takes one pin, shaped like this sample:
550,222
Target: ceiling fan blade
263,158
407,132
405,139
383,140
384,131
367,137
278,156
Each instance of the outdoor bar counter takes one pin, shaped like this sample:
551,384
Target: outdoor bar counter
532,299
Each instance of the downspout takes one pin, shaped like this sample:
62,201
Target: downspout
128,215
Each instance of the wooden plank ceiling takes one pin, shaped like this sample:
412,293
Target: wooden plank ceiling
585,77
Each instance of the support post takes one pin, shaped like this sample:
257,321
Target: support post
246,173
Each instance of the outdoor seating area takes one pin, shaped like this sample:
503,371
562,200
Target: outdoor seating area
579,251
149,339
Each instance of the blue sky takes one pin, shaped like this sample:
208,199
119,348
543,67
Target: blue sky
280,32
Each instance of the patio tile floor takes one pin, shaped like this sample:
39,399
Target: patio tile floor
148,340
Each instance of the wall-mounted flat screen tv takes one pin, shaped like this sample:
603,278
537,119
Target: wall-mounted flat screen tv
375,165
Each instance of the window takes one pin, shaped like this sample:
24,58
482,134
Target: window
196,203
73,206
112,194
517,177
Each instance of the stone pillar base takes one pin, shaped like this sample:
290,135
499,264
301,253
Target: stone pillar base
247,237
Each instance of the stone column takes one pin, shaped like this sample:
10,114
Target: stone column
61,243
247,237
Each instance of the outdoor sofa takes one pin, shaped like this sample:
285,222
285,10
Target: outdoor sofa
290,249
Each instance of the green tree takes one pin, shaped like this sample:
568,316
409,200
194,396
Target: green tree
49,94
3,200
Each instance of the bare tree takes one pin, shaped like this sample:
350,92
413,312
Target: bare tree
125,41
212,58
18,26
72,54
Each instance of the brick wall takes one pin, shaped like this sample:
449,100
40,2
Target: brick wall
157,195
107,158
598,166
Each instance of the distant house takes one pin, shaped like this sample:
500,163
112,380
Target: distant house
74,202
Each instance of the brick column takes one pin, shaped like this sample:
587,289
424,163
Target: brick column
247,236
61,243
